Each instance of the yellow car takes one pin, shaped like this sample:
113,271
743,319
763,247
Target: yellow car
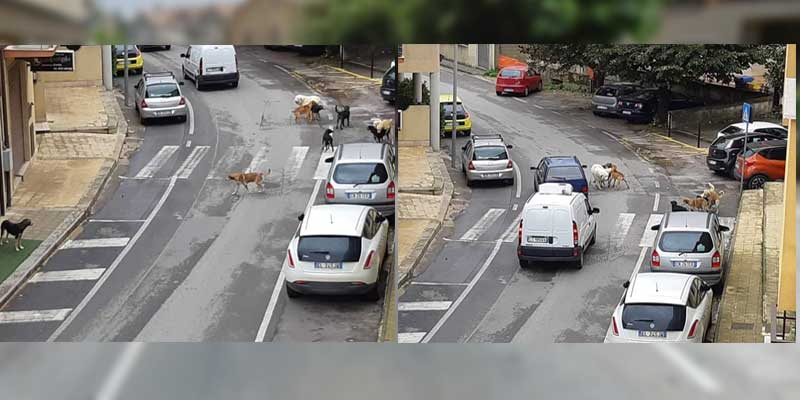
464,121
135,59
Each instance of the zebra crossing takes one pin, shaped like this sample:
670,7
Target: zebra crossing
420,310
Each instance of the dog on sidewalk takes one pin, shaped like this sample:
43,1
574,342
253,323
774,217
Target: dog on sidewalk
246,178
327,139
342,116
14,229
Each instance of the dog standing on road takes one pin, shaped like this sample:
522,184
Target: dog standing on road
616,177
303,111
315,109
696,204
14,229
327,139
599,176
245,178
380,128
342,116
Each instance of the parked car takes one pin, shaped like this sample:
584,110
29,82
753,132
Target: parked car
486,158
723,150
690,242
211,64
313,50
337,249
557,225
763,162
135,59
606,99
665,307
148,47
561,169
517,79
362,173
389,84
642,106
754,127
462,116
158,95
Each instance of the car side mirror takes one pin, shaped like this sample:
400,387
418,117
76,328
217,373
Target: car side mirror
595,210
300,217
583,166
380,218
181,83
183,55
534,168
509,146
329,160
704,286
464,147
626,284
655,227
723,228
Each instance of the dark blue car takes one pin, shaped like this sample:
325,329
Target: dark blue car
561,169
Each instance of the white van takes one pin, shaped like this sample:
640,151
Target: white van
211,64
556,225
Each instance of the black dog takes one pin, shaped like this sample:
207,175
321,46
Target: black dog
676,207
315,109
378,135
327,140
342,116
9,228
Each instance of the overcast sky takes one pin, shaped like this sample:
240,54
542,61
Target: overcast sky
129,8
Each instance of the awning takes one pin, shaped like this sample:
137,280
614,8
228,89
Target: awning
30,51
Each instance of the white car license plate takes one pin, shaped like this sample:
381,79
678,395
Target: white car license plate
490,175
328,265
626,112
712,162
508,90
602,107
684,264
385,92
163,113
215,69
537,239
359,196
653,334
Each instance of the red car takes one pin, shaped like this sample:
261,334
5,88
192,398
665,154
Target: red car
517,79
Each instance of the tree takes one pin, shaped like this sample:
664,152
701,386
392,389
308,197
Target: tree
405,94
561,57
773,58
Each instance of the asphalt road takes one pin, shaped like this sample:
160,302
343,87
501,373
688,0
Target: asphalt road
174,256
469,286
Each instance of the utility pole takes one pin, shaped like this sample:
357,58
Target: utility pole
125,73
455,107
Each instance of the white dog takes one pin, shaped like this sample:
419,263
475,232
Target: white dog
301,100
600,176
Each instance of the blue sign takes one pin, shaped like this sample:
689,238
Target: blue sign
747,113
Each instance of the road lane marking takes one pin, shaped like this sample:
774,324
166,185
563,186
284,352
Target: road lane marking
282,69
695,372
520,100
620,231
114,221
93,243
188,144
650,235
323,167
191,117
157,162
192,162
607,133
438,283
514,207
116,262
518,181
122,368
538,106
296,159
20,317
258,159
483,224
556,112
642,255
424,305
89,274
657,184
655,202
410,337
512,233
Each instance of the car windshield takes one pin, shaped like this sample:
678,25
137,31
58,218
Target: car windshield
606,91
564,173
654,317
390,74
448,111
119,52
360,173
510,73
329,248
491,153
162,90
686,242
720,143
732,129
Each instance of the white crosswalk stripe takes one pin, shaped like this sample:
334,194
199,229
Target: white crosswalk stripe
410,337
620,231
323,167
649,234
191,162
157,162
258,160
424,305
226,162
483,224
94,243
89,274
295,161
18,317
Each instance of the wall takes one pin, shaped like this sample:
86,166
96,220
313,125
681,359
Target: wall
787,286
467,53
511,50
415,130
423,58
714,118
88,70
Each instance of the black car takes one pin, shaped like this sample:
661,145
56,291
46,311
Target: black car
723,151
605,99
389,84
642,106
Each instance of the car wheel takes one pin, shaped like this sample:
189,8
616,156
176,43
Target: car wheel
374,294
579,261
499,93
183,69
594,237
468,132
510,182
291,292
235,84
757,181
526,93
524,264
167,47
540,87
142,120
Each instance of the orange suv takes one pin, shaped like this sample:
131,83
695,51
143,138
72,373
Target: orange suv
764,161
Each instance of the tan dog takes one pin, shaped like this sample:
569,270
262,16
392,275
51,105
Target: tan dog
696,204
712,196
303,111
615,177
245,178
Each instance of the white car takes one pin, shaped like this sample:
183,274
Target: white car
754,127
662,307
338,249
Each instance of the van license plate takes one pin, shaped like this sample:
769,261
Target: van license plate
537,239
215,69
653,334
685,264
328,265
626,112
602,107
359,196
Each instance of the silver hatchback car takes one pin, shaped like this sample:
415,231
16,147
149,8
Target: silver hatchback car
158,95
362,173
690,242
486,158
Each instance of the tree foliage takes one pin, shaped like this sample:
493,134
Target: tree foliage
405,94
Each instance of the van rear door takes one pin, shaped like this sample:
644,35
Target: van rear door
219,60
547,227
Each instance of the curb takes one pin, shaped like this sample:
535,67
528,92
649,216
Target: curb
466,69
389,316
11,285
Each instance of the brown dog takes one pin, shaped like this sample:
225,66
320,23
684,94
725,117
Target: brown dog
696,204
616,177
303,111
245,178
713,196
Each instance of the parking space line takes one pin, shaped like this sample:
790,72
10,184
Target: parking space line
518,181
438,283
638,265
424,306
92,243
520,100
483,224
191,162
191,117
538,106
19,317
89,274
410,337
655,202
156,162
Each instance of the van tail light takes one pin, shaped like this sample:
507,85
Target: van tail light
655,259
574,234
291,260
390,191
585,189
519,233
693,329
716,260
143,104
471,166
368,264
201,67
329,192
510,164
614,328
183,101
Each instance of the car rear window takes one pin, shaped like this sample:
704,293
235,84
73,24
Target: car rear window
329,248
654,317
732,129
686,242
606,91
510,73
491,153
565,173
448,110
162,90
719,143
360,173
119,52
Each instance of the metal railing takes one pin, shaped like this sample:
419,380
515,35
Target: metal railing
787,322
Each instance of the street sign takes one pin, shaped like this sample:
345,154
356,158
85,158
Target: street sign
61,61
747,113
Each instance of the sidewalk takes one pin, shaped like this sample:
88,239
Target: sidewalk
66,174
425,190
